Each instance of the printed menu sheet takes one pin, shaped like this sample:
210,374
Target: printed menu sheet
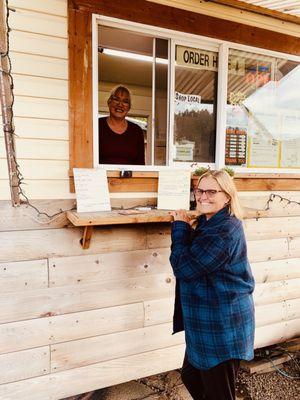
174,189
91,190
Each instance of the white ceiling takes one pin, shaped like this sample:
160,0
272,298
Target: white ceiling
291,7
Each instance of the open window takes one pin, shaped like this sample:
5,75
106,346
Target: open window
140,62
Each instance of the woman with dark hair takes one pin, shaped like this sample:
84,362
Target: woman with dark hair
214,285
120,141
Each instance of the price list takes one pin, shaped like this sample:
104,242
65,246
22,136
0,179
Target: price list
236,146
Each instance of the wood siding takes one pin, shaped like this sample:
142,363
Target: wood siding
105,314
39,54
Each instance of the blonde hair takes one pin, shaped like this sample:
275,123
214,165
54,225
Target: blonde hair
119,89
227,185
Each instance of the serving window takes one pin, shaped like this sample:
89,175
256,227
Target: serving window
177,89
140,63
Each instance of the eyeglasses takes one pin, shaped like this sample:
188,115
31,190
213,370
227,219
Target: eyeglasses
116,99
210,193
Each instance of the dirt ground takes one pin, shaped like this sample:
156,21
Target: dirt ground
168,386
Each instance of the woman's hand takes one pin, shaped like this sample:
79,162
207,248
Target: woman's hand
180,215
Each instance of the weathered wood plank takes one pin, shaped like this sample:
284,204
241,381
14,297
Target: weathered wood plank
95,376
63,300
117,217
265,228
275,292
65,271
24,364
50,330
23,275
79,353
65,242
269,314
159,311
247,184
293,309
158,236
276,333
294,246
270,271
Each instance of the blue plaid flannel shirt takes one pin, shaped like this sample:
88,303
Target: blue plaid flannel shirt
214,286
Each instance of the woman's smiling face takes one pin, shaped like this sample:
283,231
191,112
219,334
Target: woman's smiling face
212,199
119,105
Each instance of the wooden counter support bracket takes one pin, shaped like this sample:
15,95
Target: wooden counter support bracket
86,238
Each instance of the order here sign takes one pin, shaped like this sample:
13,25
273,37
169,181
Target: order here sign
195,58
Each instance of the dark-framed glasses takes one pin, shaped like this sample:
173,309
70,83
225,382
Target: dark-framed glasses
117,99
210,193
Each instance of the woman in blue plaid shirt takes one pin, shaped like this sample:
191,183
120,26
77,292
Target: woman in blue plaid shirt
214,286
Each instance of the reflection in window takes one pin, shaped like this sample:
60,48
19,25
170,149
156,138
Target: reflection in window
127,58
263,112
195,105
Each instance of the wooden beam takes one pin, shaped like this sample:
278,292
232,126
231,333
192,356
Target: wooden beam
80,88
154,14
258,10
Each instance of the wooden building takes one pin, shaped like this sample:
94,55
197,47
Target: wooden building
72,319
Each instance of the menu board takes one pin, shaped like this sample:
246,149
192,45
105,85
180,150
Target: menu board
236,146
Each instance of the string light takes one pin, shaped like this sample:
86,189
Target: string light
10,130
274,196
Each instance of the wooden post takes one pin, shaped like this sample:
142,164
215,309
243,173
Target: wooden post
6,107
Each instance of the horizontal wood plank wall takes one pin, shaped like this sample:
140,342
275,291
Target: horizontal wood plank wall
39,55
72,307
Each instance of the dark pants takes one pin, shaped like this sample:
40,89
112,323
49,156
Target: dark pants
217,383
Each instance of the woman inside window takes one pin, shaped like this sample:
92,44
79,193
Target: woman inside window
214,286
120,141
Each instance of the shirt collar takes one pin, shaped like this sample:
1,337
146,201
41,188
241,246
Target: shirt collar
215,219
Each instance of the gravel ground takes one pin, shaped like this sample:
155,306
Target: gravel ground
269,386
168,386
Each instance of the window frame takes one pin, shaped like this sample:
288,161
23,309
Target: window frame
189,40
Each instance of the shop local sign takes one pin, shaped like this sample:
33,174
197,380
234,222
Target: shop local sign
186,102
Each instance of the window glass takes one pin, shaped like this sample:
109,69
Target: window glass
195,105
263,111
136,61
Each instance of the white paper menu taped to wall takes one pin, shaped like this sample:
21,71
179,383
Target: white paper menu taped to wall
91,188
174,189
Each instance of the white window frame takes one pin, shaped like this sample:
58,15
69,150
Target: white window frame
190,40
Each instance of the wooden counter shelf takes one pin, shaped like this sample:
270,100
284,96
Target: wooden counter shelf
116,217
